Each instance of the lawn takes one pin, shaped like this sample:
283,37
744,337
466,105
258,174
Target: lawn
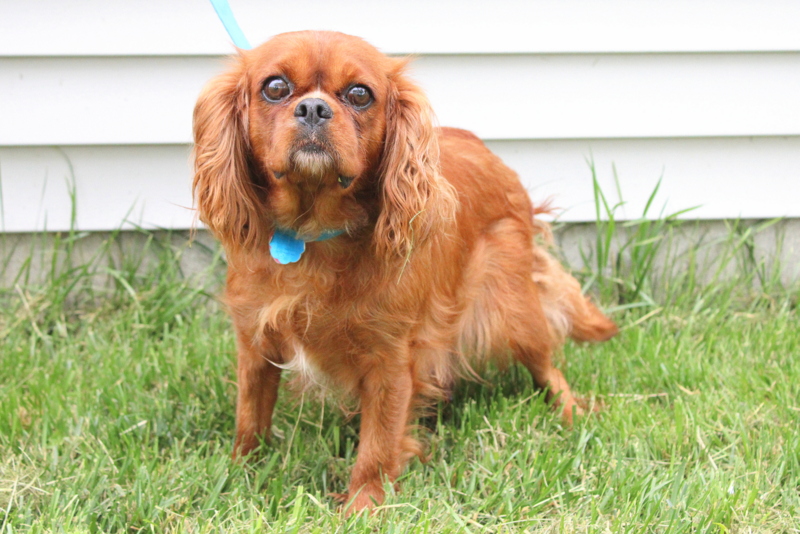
117,413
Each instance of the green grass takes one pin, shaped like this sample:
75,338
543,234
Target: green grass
117,410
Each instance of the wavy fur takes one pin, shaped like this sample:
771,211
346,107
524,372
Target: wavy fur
437,269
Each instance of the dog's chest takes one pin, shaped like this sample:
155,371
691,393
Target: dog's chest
331,323
327,348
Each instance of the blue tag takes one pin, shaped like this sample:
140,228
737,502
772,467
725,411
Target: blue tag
286,248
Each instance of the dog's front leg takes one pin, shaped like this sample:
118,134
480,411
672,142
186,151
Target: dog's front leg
259,379
386,394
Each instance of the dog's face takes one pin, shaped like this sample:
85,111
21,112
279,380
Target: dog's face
317,118
318,131
313,132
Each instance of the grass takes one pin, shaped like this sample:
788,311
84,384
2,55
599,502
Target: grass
117,394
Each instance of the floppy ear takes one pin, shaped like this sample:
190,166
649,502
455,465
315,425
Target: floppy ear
416,199
223,190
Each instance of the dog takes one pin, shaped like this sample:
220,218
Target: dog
368,250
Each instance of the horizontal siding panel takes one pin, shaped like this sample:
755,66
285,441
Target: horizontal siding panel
113,187
149,185
749,178
73,101
190,27
616,96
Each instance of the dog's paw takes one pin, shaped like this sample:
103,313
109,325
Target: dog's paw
362,501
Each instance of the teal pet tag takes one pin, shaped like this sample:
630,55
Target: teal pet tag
286,247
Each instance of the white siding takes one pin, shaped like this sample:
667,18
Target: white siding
146,100
704,93
149,184
190,27
112,187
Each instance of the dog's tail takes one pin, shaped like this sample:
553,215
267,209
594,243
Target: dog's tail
569,312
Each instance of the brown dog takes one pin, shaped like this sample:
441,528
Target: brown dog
412,250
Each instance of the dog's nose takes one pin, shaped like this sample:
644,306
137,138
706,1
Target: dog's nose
313,112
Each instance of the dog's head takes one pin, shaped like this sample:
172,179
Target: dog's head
317,132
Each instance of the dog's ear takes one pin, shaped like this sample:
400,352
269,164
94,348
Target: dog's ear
416,199
223,189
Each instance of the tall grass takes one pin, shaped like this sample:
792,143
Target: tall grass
62,284
117,394
662,259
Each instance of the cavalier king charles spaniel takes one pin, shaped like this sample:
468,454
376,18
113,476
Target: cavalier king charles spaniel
369,251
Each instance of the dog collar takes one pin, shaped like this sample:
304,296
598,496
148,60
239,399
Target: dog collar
286,246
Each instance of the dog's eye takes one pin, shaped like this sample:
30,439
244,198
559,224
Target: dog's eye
359,96
276,89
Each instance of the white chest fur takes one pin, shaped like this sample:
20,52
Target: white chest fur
302,366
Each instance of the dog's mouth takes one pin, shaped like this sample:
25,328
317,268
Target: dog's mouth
312,147
313,158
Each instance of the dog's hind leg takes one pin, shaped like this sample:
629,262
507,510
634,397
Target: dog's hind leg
532,343
506,310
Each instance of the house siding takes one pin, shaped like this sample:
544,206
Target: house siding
96,99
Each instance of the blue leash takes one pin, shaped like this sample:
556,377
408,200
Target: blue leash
225,14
